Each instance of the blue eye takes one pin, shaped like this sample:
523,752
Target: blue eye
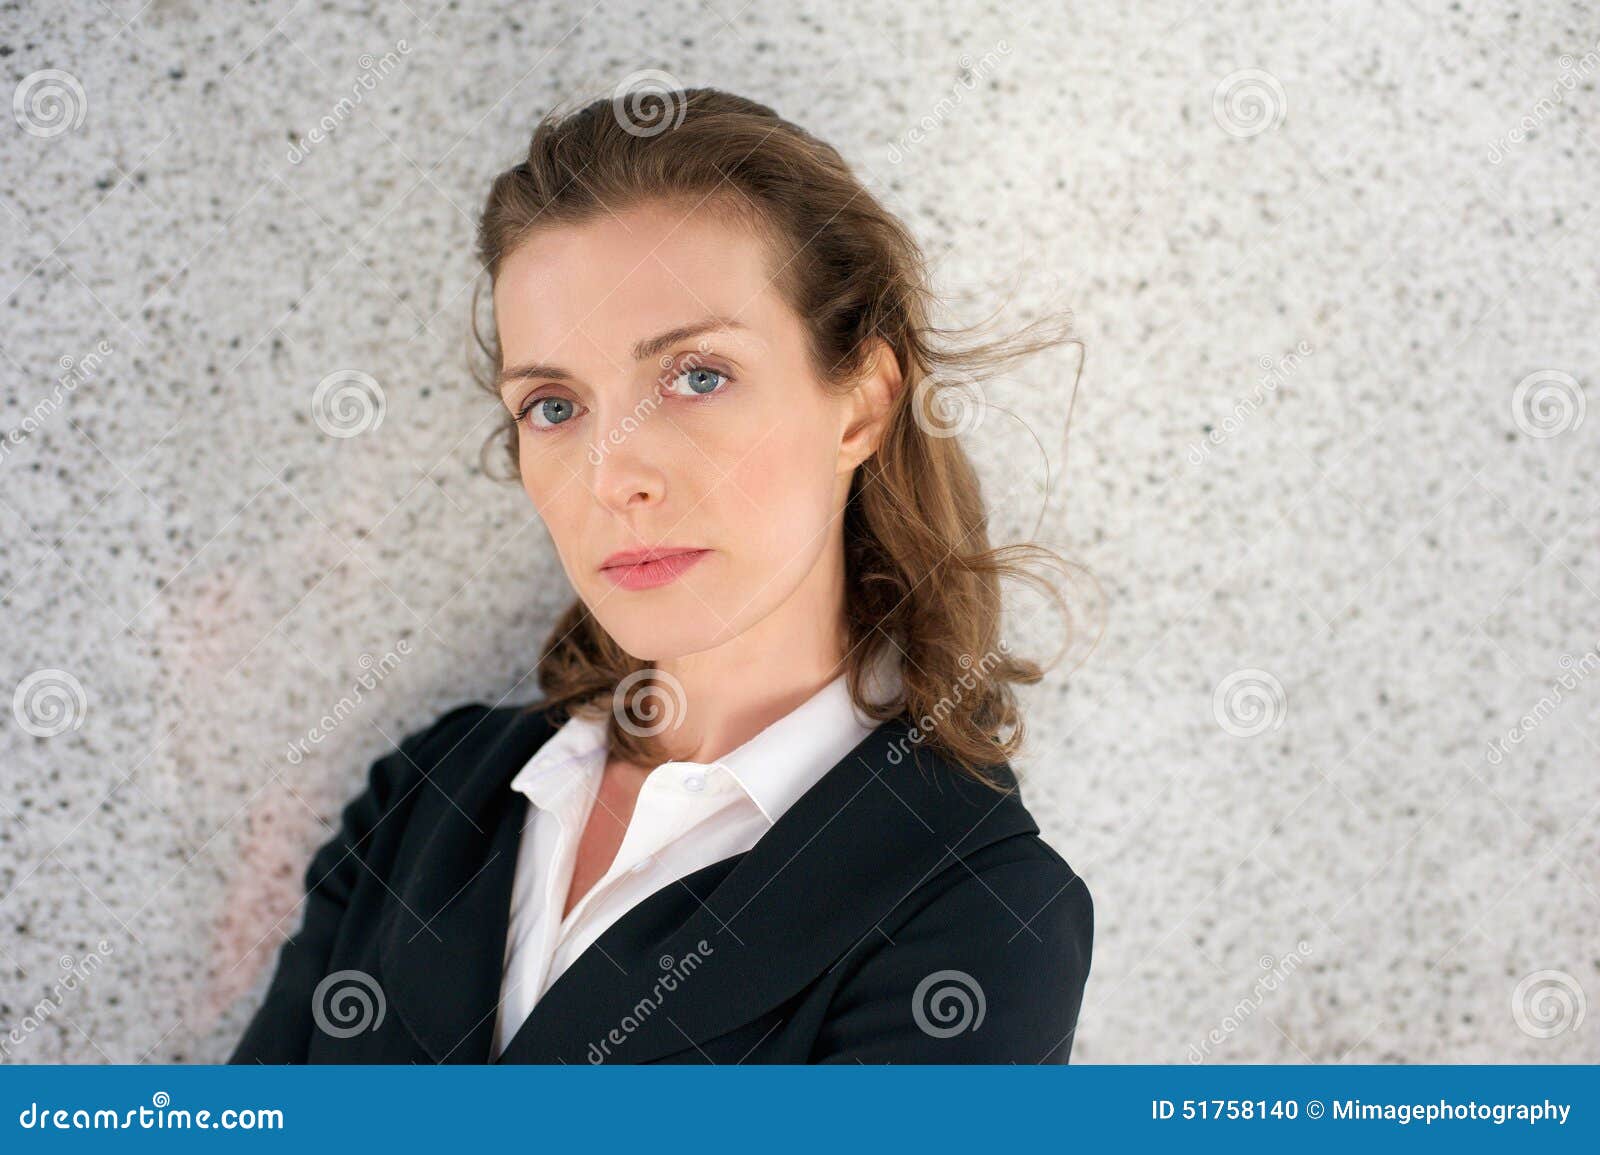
702,380
554,410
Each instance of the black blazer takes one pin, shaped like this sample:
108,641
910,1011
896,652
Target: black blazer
897,912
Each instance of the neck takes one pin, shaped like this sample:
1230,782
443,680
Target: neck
735,690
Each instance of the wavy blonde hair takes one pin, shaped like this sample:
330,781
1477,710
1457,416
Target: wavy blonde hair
921,575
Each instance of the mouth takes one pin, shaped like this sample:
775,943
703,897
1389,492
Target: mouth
640,569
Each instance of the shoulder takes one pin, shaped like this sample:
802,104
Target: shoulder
998,873
451,751
425,746
971,869
1018,893
461,760
451,725
428,773
465,736
985,962
393,778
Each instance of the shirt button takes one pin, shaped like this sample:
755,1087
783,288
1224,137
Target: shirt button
694,781
642,865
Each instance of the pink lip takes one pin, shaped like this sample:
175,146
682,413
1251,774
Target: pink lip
642,569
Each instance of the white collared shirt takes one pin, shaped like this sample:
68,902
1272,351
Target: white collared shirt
688,815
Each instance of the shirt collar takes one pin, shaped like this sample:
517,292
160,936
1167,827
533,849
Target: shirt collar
569,757
786,759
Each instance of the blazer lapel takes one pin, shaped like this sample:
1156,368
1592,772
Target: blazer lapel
441,949
714,950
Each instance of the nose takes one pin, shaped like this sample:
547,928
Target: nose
624,472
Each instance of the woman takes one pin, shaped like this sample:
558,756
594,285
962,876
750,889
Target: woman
763,811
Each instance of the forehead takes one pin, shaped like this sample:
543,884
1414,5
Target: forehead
603,284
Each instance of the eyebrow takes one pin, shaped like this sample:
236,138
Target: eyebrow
646,349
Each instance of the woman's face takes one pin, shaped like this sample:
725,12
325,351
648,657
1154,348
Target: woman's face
666,402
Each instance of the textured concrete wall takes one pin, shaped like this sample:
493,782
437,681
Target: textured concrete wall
1331,769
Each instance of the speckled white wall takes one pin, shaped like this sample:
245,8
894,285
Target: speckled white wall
1330,772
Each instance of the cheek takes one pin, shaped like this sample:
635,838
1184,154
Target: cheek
785,493
542,476
556,497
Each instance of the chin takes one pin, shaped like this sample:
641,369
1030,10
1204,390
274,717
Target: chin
663,627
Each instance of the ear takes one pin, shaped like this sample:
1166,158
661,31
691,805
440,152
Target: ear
869,405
